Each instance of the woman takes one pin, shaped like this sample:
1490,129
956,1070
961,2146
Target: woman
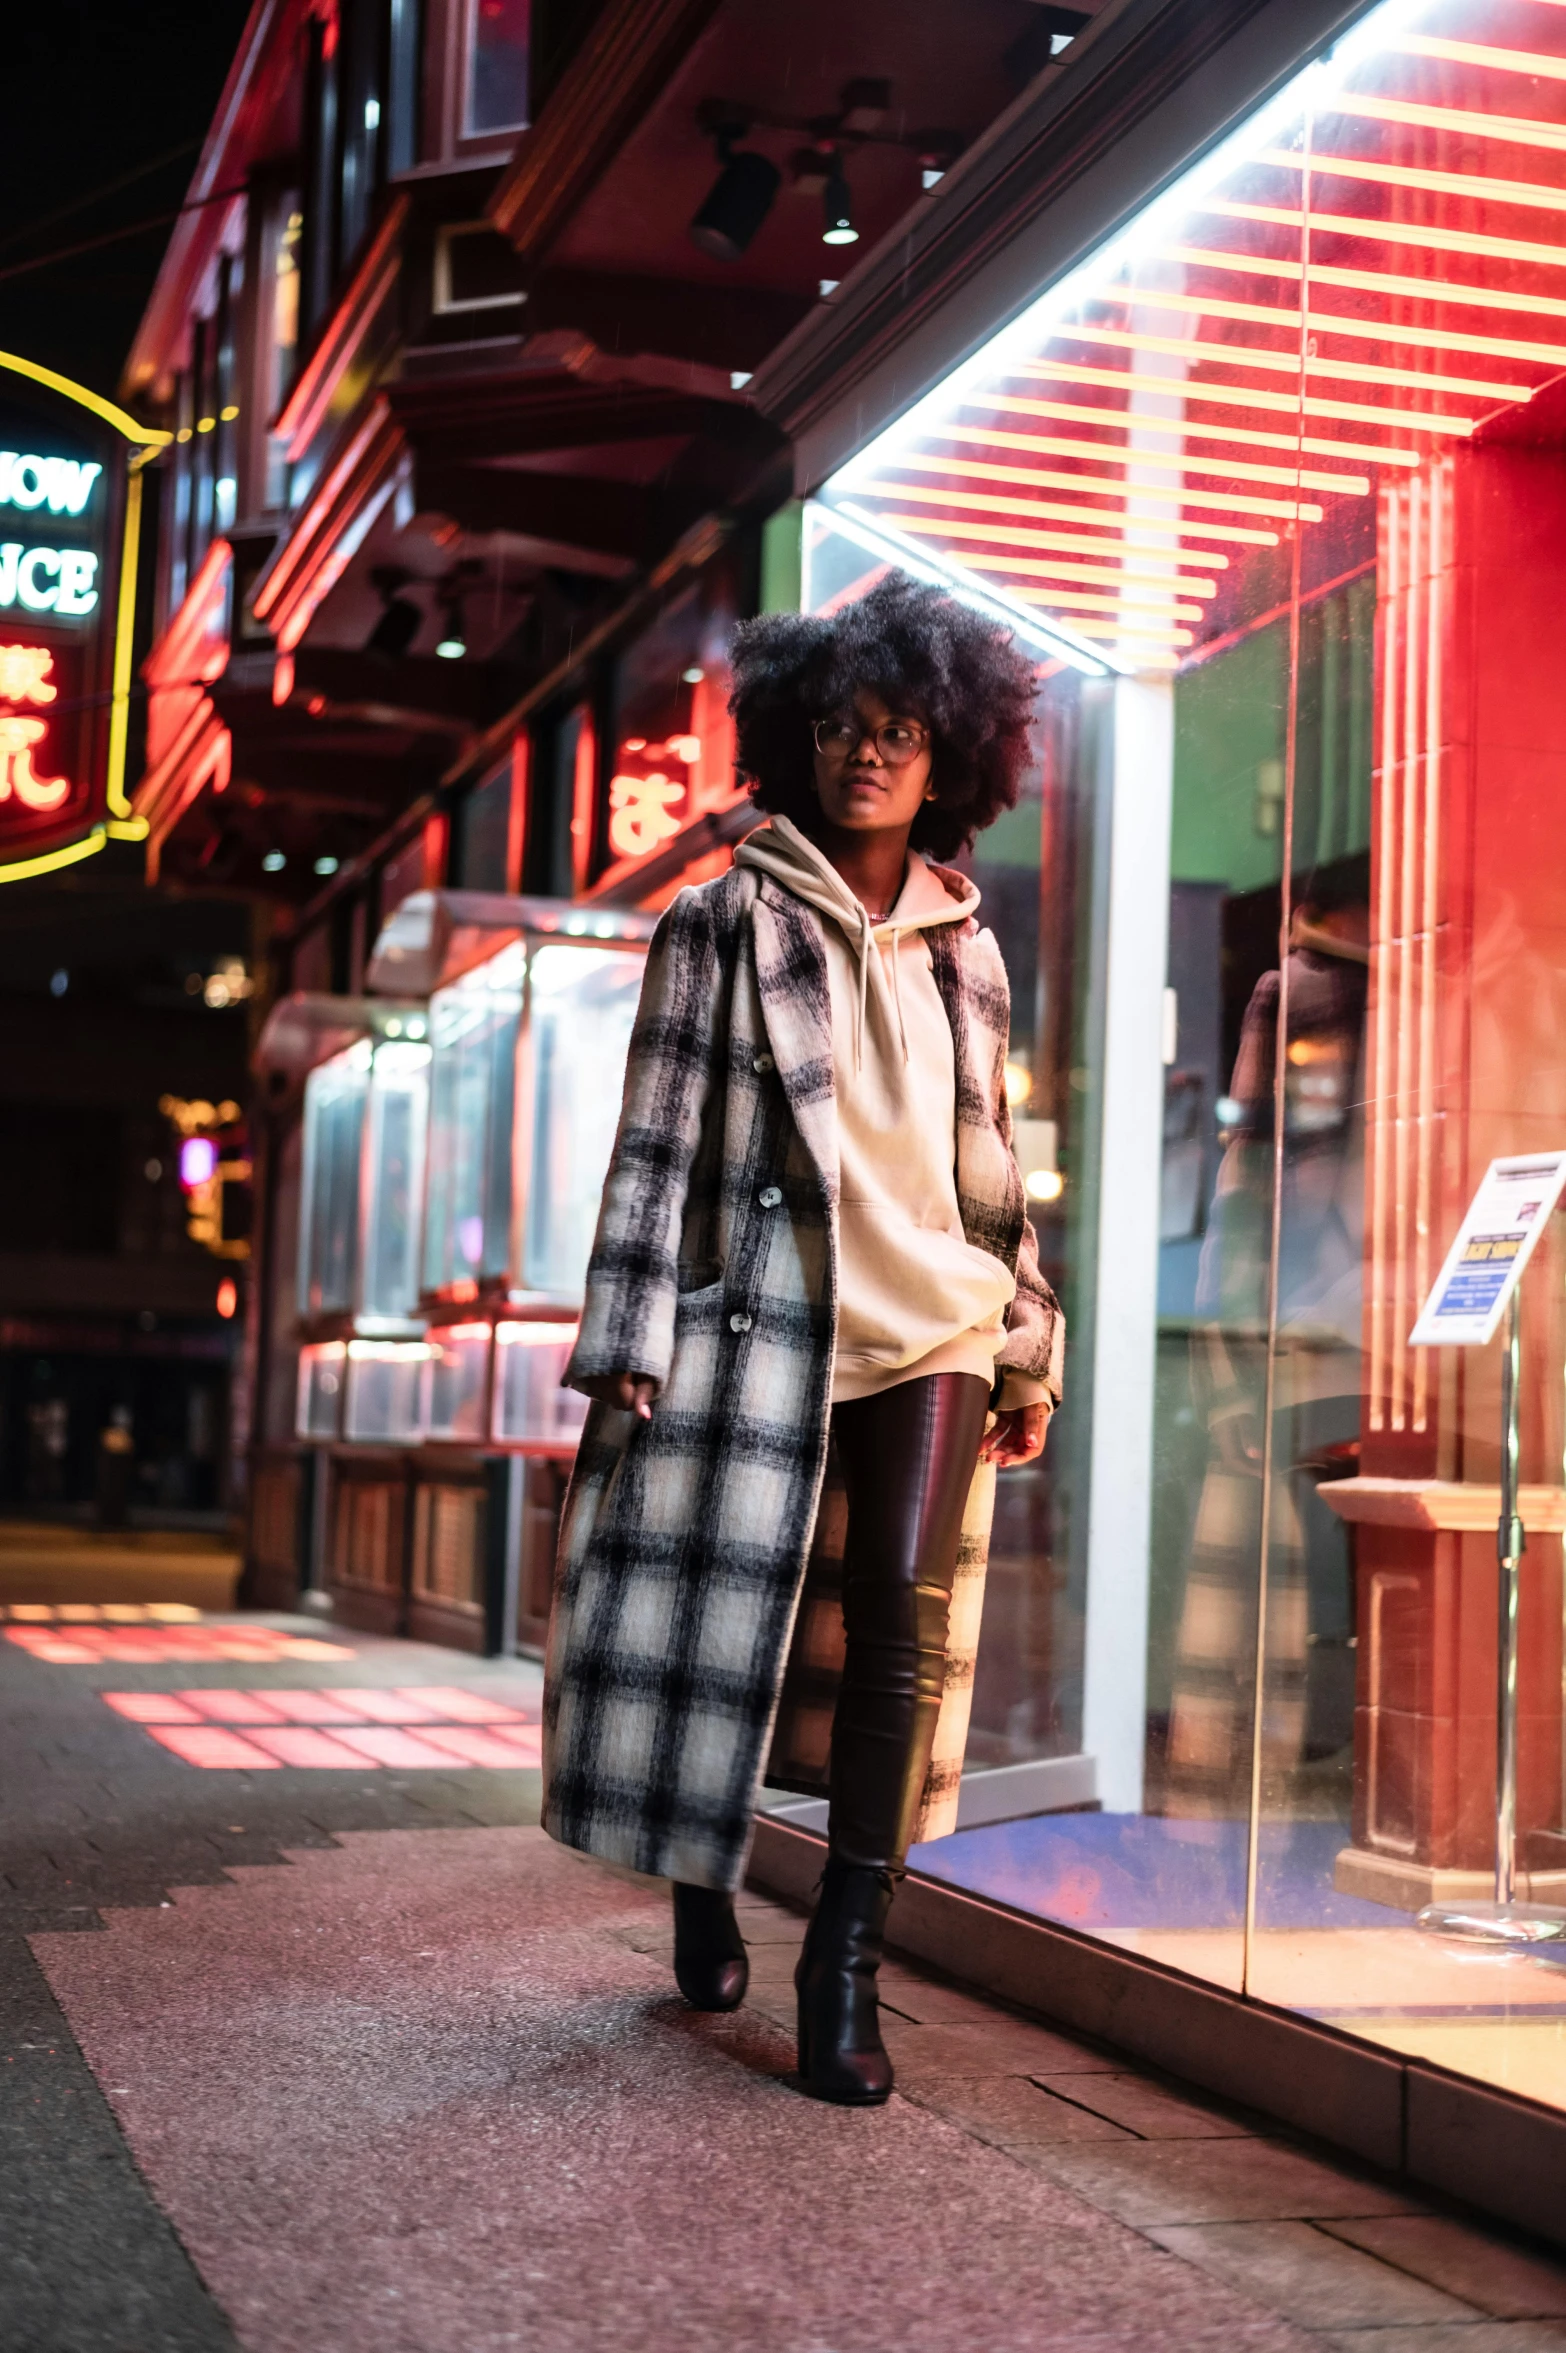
814,1321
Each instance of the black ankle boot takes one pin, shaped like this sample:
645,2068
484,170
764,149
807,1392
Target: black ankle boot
841,2055
710,1967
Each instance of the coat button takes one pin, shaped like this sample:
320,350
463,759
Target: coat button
739,1323
770,1196
762,1064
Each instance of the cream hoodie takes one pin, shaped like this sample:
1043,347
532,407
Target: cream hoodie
914,1295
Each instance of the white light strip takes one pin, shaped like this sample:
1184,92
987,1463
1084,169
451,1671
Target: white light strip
891,548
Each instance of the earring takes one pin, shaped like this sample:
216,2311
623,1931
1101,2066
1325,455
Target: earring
930,795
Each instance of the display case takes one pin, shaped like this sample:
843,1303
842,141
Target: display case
528,1058
335,1097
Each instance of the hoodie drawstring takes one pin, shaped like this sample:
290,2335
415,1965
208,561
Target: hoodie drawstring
867,946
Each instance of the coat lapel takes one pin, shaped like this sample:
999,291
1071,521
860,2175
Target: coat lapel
796,1006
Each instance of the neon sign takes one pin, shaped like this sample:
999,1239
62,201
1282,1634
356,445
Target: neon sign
70,476
24,678
642,807
63,484
48,579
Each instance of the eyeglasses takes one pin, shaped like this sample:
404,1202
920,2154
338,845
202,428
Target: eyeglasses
898,742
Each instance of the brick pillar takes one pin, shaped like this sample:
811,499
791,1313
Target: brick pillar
1467,1059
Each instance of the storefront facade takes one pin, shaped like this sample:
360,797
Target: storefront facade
1225,368
1271,479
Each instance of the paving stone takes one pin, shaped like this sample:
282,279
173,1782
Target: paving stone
929,2004
1011,2112
1001,2045
1507,2281
1483,2336
1149,2184
1298,2271
1151,2109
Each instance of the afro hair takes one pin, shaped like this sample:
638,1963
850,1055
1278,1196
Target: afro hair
927,657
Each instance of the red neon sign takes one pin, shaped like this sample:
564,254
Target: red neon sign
25,673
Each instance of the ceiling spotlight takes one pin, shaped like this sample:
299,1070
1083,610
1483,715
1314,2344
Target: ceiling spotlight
401,619
273,862
837,209
740,198
452,642
326,865
395,631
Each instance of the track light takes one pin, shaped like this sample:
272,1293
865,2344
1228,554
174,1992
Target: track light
400,619
452,643
738,201
837,209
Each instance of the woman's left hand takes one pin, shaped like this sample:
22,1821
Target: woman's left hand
1018,1436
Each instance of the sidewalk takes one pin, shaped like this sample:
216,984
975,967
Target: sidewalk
358,2058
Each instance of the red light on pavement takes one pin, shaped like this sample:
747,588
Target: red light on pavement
227,1298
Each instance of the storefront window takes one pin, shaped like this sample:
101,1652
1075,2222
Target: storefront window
497,66
672,743
1272,486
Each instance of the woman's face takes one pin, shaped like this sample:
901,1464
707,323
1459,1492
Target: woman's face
866,785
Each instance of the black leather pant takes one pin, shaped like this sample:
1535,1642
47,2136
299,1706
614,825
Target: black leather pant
908,1457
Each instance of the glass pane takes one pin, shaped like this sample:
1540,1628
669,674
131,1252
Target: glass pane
529,1401
398,1113
583,1004
319,1405
456,1376
385,1385
497,66
1122,474
1421,1030
335,1097
473,1033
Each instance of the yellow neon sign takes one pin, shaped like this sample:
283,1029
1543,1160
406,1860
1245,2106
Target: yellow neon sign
121,823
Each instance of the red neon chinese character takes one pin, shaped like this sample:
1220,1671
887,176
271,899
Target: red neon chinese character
642,809
17,775
24,674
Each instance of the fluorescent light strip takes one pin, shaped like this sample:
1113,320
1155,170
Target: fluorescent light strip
1112,571
1284,363
1338,224
1078,600
1161,586
1506,61
1458,121
1136,633
891,548
1358,282
1056,510
1254,396
1099,453
1466,187
1076,412
1238,502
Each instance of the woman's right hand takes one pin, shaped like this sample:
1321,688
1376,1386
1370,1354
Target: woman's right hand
630,1392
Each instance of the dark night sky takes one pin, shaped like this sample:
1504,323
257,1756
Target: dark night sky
93,92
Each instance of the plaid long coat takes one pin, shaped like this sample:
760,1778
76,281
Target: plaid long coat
680,1646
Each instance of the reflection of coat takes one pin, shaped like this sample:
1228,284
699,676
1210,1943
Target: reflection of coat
685,1539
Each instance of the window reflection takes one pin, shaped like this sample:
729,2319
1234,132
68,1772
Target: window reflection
1287,455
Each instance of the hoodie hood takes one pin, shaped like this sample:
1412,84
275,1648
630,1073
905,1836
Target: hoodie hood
930,895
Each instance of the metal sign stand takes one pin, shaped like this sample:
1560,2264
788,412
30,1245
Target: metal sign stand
1505,1921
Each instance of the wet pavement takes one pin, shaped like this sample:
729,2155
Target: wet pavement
327,2046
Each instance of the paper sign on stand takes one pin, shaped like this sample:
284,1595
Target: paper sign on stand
1476,1287
1494,1243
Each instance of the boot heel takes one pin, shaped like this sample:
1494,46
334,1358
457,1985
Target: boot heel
711,1967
